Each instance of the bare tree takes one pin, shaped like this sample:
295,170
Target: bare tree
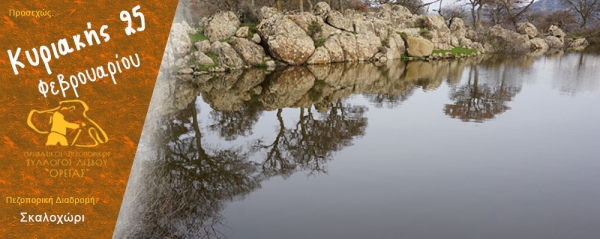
585,8
452,11
512,10
476,7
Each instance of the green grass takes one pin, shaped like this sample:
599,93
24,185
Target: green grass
319,42
457,51
198,37
574,36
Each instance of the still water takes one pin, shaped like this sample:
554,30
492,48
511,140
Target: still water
484,147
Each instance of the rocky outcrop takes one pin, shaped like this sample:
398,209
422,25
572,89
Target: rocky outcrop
579,44
228,57
419,47
180,39
321,56
221,26
528,29
556,32
367,46
322,9
252,53
203,59
286,41
334,48
203,46
458,28
508,42
328,36
337,20
395,48
539,44
554,42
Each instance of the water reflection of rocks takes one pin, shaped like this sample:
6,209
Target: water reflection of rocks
186,181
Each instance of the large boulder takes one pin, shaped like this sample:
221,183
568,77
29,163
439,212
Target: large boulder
508,42
528,29
306,21
221,26
337,20
398,15
334,48
228,57
286,41
364,27
554,42
180,39
382,28
320,56
419,47
395,47
436,22
348,44
458,28
252,53
579,44
321,9
267,12
539,44
367,46
556,32
203,46
203,59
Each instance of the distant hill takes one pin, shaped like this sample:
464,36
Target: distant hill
547,5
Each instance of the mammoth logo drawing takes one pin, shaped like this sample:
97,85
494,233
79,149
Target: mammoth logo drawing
65,124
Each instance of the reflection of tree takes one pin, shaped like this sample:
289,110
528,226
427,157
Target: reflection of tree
389,100
313,140
479,101
231,124
189,184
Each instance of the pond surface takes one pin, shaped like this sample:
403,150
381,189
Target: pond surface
483,147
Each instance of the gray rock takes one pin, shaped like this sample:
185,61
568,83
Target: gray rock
395,48
203,59
457,28
367,46
267,12
185,71
337,20
348,44
539,44
180,39
554,42
336,53
221,26
528,29
579,44
508,42
256,38
203,46
419,47
321,9
556,32
252,53
228,57
286,41
320,56
242,32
